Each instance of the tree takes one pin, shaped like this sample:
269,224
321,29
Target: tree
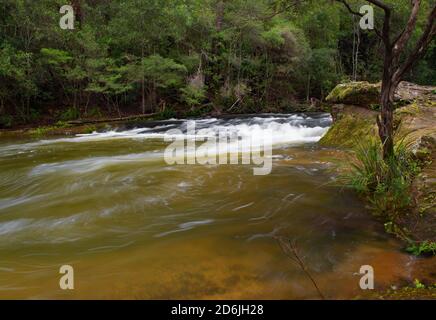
60,64
156,73
234,55
394,67
15,78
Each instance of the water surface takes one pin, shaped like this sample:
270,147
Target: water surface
134,227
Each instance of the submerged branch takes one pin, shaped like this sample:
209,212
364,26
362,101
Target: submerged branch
290,249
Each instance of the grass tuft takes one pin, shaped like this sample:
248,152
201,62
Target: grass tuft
385,183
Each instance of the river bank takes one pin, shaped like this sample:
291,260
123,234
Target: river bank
354,108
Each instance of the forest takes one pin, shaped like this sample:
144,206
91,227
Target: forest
192,57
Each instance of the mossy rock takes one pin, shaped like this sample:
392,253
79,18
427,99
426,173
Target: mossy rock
423,154
349,129
356,93
408,110
367,94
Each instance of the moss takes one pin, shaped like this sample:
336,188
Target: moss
347,130
427,202
416,290
45,130
356,93
407,293
409,110
40,131
423,154
375,106
89,129
60,128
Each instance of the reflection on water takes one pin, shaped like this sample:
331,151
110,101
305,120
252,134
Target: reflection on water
133,227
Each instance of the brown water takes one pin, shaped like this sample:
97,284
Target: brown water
134,227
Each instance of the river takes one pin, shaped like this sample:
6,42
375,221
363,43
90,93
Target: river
134,227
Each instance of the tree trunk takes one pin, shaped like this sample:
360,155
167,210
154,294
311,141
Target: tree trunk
386,120
142,82
386,123
212,67
143,94
78,11
219,15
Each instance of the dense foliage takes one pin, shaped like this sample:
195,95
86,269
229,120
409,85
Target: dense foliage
142,56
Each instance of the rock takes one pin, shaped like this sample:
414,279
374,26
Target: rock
367,94
352,125
408,91
424,148
356,93
337,111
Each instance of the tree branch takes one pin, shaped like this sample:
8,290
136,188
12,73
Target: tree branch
289,248
405,35
420,49
276,13
380,4
347,5
386,23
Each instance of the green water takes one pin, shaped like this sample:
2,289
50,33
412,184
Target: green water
134,227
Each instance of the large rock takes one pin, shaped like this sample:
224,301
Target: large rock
352,125
356,93
408,91
367,94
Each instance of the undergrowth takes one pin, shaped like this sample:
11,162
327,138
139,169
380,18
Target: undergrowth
385,183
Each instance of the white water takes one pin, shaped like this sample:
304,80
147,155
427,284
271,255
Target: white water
287,130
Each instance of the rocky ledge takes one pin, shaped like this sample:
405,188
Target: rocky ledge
355,106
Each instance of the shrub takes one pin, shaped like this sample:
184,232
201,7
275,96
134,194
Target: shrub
40,131
198,112
193,95
6,121
168,113
423,248
89,129
69,114
386,183
95,112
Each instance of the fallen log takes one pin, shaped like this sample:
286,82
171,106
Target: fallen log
120,119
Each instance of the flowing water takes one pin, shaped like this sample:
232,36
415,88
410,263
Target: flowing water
134,227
